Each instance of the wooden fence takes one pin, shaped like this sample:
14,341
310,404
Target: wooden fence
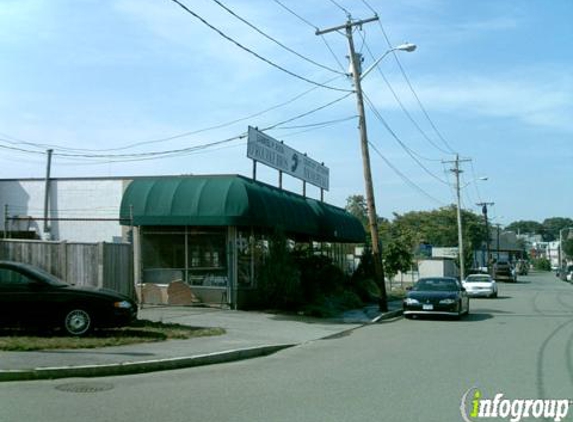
108,265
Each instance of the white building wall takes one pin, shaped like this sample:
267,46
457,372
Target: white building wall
69,198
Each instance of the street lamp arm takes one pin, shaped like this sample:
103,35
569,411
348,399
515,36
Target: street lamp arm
403,47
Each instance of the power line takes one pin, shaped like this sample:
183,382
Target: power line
408,181
341,8
408,150
248,50
407,79
406,112
151,155
275,40
298,16
43,146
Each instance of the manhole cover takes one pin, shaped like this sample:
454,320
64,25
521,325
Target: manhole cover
84,387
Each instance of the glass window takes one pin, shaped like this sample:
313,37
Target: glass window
13,278
163,250
207,258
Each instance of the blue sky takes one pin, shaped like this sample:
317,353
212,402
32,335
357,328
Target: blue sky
494,77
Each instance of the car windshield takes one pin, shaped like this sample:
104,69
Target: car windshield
478,279
436,284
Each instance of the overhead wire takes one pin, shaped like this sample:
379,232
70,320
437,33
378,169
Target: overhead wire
408,150
280,44
151,155
15,141
252,52
307,22
407,180
409,83
401,104
348,15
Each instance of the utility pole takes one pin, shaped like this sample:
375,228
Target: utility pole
456,170
355,64
484,206
47,195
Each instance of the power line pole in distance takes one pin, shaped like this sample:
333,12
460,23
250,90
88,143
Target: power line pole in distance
456,170
484,206
372,216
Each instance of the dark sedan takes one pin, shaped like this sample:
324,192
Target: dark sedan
31,297
436,296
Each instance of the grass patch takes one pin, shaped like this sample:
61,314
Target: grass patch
141,331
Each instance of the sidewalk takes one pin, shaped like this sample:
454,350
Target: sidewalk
248,335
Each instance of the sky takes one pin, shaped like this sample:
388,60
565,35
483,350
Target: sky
147,87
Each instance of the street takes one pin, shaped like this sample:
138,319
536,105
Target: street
520,344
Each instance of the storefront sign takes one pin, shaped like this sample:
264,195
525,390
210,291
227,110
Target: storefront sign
264,149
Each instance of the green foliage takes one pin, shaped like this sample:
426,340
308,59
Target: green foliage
542,264
279,277
333,305
318,276
568,247
397,255
548,229
553,225
440,228
367,290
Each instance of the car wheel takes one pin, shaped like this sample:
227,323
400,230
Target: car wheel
77,322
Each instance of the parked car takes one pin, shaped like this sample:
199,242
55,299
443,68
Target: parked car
436,296
480,285
31,297
504,271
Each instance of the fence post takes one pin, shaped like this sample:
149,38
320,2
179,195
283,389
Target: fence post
100,263
63,262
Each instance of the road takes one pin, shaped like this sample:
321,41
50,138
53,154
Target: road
520,344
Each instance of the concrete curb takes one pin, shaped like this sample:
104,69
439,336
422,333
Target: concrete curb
388,315
130,368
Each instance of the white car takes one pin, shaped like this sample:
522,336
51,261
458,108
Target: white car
480,285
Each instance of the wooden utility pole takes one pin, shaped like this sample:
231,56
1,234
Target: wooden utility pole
355,64
46,228
484,206
456,170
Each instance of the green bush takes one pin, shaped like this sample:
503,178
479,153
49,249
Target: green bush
279,277
367,290
319,276
542,264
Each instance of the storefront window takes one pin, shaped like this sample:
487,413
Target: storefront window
163,257
250,255
198,257
207,258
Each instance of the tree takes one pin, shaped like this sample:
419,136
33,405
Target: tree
525,227
552,226
568,247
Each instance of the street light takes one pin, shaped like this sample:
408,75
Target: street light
408,47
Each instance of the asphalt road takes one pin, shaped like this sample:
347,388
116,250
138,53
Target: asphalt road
520,344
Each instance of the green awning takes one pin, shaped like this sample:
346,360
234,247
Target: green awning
234,201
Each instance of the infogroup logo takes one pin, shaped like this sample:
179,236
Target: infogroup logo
475,406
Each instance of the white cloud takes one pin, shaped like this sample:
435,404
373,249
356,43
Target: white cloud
538,97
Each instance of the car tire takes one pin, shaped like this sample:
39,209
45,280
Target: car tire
77,322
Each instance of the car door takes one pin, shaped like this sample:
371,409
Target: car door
20,297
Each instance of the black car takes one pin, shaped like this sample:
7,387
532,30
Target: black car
31,297
436,296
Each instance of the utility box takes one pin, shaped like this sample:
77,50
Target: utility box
440,267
